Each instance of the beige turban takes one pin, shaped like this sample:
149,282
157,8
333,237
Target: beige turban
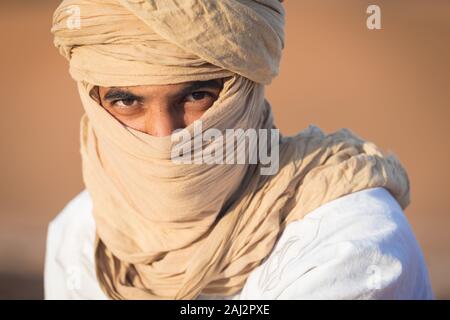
168,230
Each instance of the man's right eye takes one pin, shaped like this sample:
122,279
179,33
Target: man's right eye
126,103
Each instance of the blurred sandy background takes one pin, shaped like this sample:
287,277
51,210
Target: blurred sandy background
390,86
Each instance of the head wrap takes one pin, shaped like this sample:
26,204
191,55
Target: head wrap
166,230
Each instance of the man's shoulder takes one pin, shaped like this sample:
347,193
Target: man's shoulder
72,229
77,211
357,246
367,214
69,262
370,217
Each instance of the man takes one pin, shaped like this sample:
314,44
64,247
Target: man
327,223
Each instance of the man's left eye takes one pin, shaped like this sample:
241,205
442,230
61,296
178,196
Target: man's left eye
196,96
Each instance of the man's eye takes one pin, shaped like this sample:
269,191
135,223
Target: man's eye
196,96
126,103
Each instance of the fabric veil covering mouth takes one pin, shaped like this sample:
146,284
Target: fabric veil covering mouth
171,231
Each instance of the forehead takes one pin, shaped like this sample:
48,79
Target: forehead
164,89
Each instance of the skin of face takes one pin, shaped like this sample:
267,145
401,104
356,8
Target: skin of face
158,110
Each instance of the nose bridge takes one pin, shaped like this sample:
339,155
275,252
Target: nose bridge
160,120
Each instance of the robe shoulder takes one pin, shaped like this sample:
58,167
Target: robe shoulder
69,261
359,246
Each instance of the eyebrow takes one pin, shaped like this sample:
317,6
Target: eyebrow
201,84
123,94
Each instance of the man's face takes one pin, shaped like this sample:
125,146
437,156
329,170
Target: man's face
160,109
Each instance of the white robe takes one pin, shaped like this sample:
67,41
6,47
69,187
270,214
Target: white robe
359,246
